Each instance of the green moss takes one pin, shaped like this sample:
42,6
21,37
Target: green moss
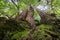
18,35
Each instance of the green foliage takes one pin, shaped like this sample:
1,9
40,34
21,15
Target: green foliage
8,8
48,27
28,2
22,5
18,35
56,3
36,16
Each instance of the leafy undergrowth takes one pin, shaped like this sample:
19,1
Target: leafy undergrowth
12,30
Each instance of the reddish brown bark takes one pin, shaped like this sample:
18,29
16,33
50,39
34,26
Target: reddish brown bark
22,15
30,16
45,17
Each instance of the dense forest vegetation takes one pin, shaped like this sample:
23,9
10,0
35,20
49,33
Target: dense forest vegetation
29,19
